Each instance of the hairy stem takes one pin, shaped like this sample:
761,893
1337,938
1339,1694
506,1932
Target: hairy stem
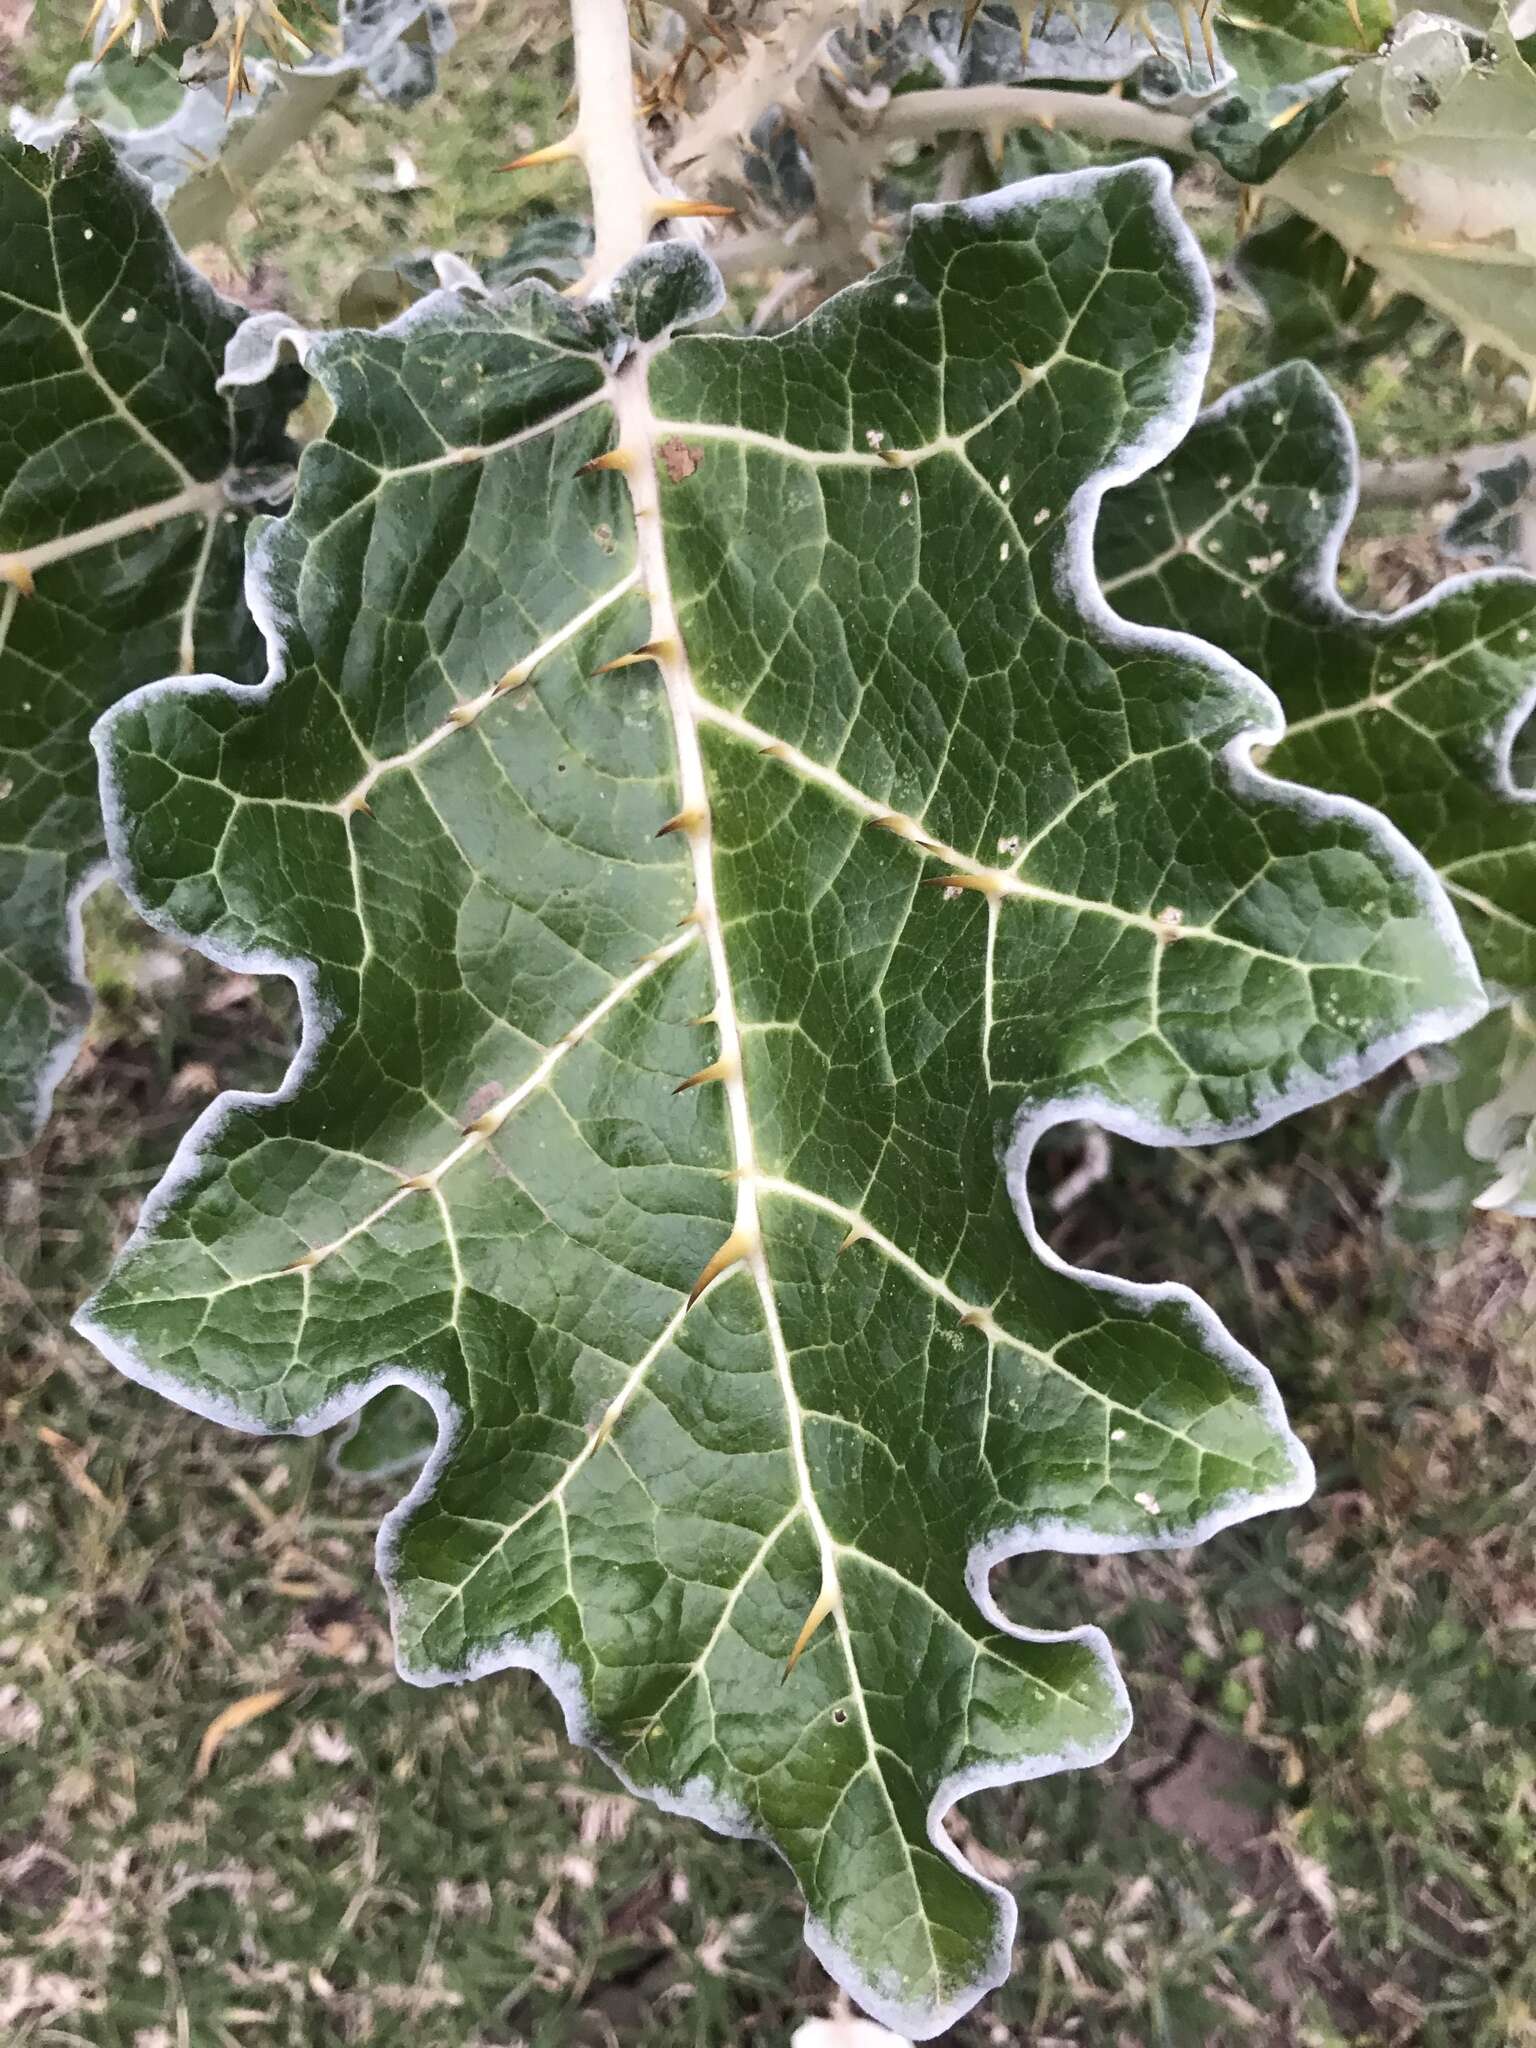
951,109
199,211
608,136
1425,479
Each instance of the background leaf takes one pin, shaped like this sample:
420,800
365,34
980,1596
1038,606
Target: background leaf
123,476
1320,302
1416,712
1430,177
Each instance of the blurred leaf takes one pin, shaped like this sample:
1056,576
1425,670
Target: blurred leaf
1318,300
1463,1131
1495,522
1429,176
1236,538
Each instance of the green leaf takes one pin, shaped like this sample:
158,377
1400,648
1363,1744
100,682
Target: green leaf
1319,302
1462,1132
861,561
1253,131
1429,176
1416,712
1495,522
125,488
1413,712
1329,29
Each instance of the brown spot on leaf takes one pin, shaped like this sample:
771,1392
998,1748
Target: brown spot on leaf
678,459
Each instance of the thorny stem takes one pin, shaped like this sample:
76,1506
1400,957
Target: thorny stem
990,108
625,207
607,135
199,211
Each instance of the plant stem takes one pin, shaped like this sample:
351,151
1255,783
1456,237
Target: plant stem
991,107
1424,479
608,136
199,211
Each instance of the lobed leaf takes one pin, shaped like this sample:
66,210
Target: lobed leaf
126,484
1416,712
557,806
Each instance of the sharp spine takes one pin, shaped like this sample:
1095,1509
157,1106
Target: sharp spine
985,885
653,650
737,1246
826,1602
717,1070
903,828
564,151
690,209
684,821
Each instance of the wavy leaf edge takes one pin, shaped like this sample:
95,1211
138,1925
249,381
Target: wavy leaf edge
1323,572
539,1654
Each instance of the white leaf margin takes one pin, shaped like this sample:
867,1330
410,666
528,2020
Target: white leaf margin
540,1654
1320,580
